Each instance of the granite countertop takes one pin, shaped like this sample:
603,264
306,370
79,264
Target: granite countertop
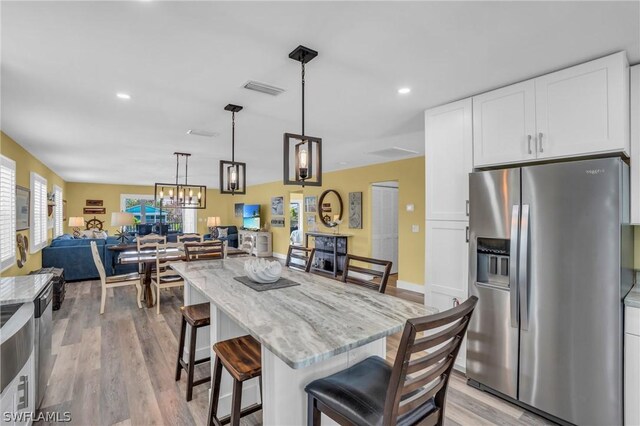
633,297
22,289
303,324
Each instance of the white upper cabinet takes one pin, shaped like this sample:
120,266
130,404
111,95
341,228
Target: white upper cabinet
449,160
635,144
584,109
504,124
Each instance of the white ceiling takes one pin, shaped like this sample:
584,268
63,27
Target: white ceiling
182,62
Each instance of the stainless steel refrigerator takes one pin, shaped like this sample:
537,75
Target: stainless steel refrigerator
551,259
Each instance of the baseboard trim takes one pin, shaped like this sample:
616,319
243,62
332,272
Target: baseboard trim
280,256
405,285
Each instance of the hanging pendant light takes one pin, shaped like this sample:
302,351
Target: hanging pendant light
233,173
302,153
181,195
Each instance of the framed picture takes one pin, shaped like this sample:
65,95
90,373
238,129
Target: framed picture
94,203
94,210
277,222
277,206
23,205
238,208
310,204
355,210
326,207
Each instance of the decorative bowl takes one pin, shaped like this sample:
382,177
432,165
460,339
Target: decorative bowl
263,271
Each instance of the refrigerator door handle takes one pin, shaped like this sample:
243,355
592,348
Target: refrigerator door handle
513,278
523,272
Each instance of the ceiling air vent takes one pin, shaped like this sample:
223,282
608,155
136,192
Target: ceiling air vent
394,152
263,88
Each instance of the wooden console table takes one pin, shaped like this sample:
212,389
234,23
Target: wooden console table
331,251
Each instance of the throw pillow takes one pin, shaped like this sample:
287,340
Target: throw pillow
100,235
86,233
223,232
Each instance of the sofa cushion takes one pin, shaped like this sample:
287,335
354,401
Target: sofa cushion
222,232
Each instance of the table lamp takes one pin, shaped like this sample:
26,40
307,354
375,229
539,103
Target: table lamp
212,223
76,222
122,220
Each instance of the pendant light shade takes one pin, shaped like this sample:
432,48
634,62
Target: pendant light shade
181,195
302,153
233,174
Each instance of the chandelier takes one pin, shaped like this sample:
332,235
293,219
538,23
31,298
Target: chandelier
181,195
233,174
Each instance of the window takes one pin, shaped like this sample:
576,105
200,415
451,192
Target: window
7,212
38,212
57,212
189,221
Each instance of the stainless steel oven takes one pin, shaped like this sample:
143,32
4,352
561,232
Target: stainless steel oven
43,331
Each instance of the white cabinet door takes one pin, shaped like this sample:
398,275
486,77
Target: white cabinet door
584,109
504,123
635,143
447,268
449,160
632,380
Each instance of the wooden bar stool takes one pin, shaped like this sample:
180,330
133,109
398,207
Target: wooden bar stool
242,359
197,316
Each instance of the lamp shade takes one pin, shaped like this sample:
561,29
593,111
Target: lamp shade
76,221
122,219
213,221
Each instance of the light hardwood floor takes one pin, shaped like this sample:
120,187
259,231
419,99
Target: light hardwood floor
118,368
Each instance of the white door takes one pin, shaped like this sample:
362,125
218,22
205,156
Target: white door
504,123
449,160
384,218
447,268
584,109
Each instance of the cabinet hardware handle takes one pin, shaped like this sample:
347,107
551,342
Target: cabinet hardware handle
540,139
455,301
529,143
23,401
467,208
467,233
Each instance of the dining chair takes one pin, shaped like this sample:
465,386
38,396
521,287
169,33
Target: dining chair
207,250
164,276
190,238
148,242
413,391
115,280
299,257
366,276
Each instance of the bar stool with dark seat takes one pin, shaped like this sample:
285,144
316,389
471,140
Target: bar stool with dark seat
241,357
411,392
197,316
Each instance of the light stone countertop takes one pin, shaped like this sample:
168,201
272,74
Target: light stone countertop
633,297
22,289
303,324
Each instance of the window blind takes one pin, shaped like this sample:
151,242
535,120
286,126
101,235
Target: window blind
7,212
189,221
58,222
38,212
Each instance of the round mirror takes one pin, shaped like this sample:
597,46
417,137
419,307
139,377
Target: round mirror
330,208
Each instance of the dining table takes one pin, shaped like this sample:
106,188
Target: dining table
309,330
147,260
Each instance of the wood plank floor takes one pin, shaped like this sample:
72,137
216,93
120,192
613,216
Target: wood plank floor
117,368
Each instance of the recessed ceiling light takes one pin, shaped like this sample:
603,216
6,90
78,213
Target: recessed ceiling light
404,90
123,96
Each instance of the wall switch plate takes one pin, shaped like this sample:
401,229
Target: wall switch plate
410,207
415,228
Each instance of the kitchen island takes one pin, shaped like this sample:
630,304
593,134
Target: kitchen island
307,331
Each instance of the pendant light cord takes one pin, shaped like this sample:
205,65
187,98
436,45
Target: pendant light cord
186,171
303,72
233,137
177,168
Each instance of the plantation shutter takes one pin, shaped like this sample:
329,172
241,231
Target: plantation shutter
38,212
57,213
7,212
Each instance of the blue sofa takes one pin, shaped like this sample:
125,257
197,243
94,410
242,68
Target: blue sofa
231,239
74,256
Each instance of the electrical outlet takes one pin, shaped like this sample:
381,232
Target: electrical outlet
415,228
410,207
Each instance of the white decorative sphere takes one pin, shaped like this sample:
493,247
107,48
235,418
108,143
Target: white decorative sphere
263,271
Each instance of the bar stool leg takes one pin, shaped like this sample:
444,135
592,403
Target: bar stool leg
236,406
215,392
191,365
313,414
183,331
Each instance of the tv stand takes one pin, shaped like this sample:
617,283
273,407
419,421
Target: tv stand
259,242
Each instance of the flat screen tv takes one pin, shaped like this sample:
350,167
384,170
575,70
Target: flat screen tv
251,216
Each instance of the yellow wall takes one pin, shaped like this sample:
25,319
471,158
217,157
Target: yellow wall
408,173
25,164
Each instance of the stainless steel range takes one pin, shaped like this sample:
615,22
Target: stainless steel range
551,259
